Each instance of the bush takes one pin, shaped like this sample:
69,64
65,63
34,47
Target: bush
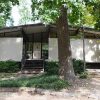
9,66
83,75
51,68
78,66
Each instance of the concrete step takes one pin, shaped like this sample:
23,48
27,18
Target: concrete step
33,64
32,71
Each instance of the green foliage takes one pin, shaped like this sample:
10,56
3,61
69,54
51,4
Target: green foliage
9,66
5,10
14,2
83,75
43,81
10,83
48,10
51,68
78,66
81,12
93,9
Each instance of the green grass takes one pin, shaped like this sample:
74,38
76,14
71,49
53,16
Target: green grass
43,81
7,75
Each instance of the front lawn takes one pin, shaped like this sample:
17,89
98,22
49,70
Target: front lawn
7,75
42,81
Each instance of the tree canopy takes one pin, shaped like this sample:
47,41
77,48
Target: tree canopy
84,12
5,10
25,12
12,1
93,6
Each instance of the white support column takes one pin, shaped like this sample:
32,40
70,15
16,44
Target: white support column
53,49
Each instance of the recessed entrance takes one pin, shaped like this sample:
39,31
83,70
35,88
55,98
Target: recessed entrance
34,50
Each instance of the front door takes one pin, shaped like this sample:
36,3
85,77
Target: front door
36,50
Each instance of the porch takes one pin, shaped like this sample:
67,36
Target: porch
35,50
33,46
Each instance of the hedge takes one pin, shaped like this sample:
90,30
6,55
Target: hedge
9,66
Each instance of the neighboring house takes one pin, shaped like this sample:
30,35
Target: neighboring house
31,44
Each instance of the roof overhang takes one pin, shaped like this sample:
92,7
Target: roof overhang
16,31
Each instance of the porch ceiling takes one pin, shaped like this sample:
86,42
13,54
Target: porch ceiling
38,37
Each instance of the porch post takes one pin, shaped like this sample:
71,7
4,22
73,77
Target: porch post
23,52
32,44
41,44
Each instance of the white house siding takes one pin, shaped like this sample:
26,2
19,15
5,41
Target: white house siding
92,49
11,49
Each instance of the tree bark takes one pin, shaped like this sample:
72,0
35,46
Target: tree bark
64,49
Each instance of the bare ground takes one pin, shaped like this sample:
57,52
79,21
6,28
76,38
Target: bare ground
84,89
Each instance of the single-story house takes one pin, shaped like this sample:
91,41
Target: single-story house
31,44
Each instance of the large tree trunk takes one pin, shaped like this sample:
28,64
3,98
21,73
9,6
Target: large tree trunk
64,49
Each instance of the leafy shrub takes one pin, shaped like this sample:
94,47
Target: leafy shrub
51,68
9,66
83,75
78,66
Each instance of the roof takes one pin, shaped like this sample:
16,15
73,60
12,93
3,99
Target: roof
28,29
42,28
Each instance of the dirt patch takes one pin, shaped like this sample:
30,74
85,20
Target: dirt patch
82,89
86,89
